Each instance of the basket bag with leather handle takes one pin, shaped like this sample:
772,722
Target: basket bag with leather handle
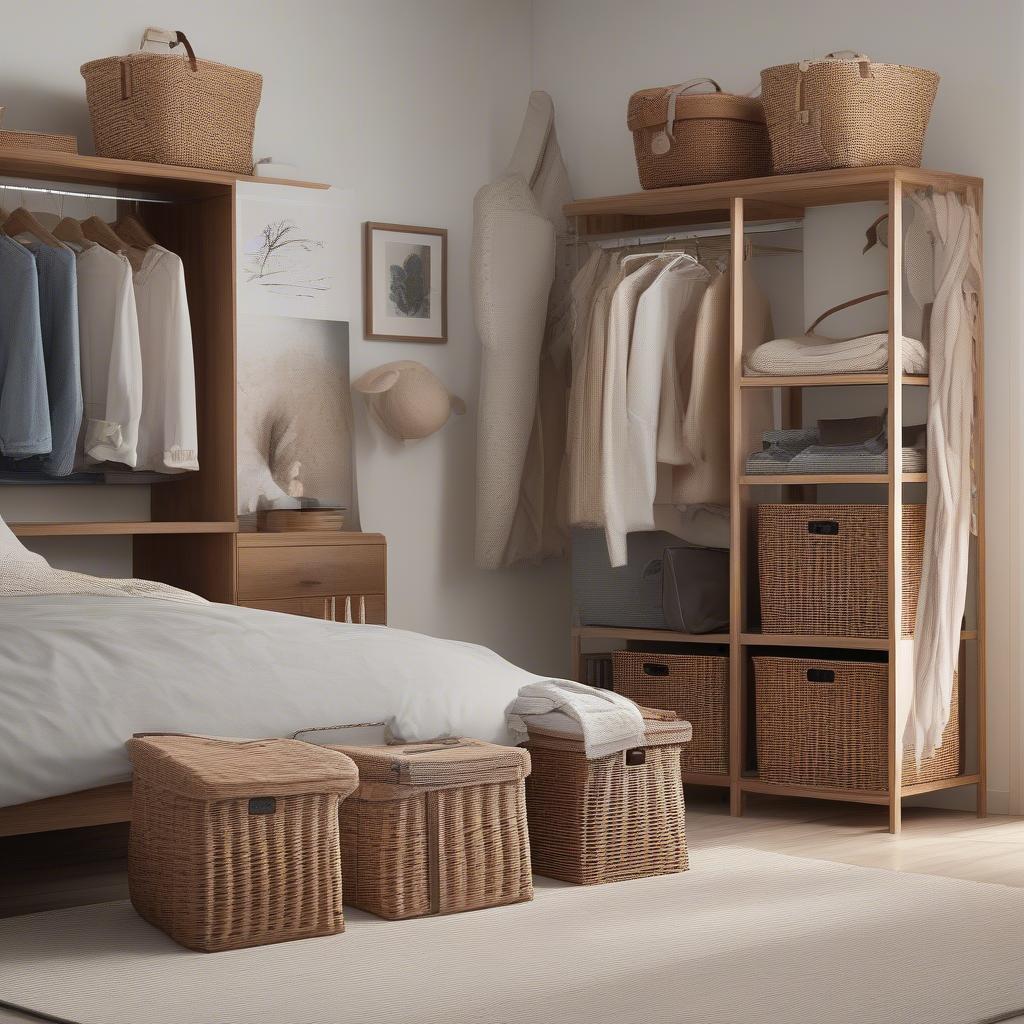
845,110
175,109
684,139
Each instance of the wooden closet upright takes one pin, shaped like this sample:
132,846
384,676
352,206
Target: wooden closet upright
786,197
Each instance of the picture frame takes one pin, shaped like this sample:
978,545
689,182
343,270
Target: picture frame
405,283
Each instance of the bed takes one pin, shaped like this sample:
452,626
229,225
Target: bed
85,663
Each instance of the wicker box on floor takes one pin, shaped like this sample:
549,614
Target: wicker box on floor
824,723
610,819
436,828
235,843
823,569
695,687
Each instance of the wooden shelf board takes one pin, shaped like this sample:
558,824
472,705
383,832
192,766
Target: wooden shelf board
829,380
666,635
132,174
935,787
784,479
307,538
856,796
847,643
706,779
109,529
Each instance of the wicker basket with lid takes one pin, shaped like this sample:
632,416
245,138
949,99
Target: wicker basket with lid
235,842
436,828
612,818
682,139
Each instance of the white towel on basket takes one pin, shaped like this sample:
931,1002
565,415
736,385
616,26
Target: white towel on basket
609,722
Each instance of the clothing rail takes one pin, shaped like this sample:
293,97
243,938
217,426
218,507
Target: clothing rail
85,195
639,238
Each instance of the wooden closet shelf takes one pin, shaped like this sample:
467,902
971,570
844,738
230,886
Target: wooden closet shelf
847,643
118,528
777,479
665,635
829,380
706,779
751,784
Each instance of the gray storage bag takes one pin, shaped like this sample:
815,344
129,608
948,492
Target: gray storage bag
696,589
627,596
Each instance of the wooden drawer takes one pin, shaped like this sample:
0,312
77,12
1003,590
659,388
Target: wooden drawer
271,573
322,607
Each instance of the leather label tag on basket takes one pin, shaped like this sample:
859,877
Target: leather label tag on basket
635,757
262,805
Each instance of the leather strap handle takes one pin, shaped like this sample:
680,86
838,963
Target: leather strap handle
171,39
846,305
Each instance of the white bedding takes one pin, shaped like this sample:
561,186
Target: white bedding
80,674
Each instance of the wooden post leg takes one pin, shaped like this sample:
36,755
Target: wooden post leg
895,813
575,657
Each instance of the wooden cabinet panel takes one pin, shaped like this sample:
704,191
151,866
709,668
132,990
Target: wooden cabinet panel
271,573
312,607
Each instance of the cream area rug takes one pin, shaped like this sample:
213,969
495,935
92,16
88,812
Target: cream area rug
744,936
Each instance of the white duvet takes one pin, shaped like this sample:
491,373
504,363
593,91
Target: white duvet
80,674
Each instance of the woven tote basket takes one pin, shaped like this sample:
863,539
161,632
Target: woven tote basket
235,843
845,110
688,140
169,109
823,569
824,724
695,687
610,819
436,828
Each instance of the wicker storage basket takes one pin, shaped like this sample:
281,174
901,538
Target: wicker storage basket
51,141
824,724
695,687
846,111
235,843
688,140
611,819
436,828
823,569
170,109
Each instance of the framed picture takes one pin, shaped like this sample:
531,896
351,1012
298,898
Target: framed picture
405,276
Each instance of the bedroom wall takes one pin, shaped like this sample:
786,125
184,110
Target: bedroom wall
591,54
413,105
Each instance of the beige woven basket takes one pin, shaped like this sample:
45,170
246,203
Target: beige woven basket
824,723
50,141
436,828
689,140
170,109
610,819
235,843
823,569
695,687
845,110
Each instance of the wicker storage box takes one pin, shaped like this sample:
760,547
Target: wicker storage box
684,139
611,819
169,109
845,110
436,828
51,141
824,723
235,843
695,687
823,569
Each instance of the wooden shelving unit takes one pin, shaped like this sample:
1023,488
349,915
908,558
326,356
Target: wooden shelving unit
786,197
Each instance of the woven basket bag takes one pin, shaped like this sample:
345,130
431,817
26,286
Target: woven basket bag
169,109
690,140
845,110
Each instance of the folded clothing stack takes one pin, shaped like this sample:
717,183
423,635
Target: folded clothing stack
837,446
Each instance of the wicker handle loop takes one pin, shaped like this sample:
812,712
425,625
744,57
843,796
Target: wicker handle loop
661,141
861,58
183,39
343,725
846,305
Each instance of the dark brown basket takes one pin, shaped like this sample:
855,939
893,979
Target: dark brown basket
824,724
436,828
713,136
610,819
235,843
695,687
823,569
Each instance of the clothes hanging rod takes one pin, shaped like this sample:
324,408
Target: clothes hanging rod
657,237
86,195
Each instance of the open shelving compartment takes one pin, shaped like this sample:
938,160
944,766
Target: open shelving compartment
188,538
761,201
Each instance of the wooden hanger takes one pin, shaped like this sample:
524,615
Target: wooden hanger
69,230
98,230
24,222
130,228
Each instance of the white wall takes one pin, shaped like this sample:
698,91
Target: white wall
592,54
413,105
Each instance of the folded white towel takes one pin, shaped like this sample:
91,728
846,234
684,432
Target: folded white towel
812,354
609,721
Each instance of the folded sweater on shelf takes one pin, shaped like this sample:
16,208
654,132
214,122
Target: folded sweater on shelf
813,354
800,452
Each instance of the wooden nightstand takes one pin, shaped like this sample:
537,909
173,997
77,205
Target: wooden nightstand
333,576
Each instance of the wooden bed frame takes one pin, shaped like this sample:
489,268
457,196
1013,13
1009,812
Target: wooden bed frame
104,805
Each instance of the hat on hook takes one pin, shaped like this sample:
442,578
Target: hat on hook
407,399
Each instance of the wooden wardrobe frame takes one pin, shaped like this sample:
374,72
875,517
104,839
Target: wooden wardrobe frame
786,197
189,540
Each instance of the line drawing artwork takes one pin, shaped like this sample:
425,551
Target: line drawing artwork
284,260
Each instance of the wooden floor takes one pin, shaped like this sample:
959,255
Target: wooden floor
89,865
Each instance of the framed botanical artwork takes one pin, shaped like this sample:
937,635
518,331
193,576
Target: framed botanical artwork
405,278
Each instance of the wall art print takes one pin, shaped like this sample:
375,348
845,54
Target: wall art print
405,275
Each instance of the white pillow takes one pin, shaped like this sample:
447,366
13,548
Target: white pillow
12,550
